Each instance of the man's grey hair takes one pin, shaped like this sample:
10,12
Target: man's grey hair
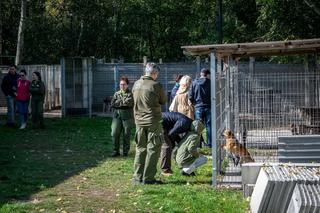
151,67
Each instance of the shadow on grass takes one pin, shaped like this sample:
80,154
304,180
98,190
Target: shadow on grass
33,160
188,181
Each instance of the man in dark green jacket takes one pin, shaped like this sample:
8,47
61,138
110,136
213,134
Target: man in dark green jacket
122,104
148,97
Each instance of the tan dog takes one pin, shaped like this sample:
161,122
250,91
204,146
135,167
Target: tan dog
235,149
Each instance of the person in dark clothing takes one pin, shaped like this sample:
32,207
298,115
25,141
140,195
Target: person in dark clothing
175,87
174,124
9,87
37,91
200,97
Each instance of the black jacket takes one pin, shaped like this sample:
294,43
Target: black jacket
9,84
175,123
200,93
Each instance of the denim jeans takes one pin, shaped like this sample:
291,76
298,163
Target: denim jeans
204,114
10,109
23,111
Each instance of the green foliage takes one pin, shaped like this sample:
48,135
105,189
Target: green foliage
134,28
66,168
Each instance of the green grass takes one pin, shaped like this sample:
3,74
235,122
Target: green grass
66,168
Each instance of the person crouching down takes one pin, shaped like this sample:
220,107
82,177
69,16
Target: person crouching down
188,158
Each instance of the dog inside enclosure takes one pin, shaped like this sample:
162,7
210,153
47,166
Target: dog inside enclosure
235,150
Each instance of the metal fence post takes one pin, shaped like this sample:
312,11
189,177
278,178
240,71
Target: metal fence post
213,68
198,64
115,77
227,96
166,86
89,79
63,87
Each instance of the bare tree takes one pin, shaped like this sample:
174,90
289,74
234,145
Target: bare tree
0,29
20,41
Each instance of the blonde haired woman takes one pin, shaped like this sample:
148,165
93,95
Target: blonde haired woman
181,102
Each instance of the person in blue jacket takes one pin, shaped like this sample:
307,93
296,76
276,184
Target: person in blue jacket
174,125
200,97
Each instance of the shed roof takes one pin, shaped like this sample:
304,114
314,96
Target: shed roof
239,50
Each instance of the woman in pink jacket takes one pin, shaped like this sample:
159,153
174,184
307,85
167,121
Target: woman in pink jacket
22,98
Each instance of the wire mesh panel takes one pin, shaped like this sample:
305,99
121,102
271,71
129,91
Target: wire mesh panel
265,103
106,80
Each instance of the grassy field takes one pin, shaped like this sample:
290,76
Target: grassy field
66,168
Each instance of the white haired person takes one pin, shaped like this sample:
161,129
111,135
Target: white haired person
148,96
181,102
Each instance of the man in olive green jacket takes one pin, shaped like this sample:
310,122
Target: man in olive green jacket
148,97
122,122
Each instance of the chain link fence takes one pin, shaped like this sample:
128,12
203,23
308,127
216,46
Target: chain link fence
89,86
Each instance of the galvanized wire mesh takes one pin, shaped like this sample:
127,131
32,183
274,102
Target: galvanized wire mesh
268,102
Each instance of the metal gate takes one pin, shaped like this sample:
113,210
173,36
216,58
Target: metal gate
76,86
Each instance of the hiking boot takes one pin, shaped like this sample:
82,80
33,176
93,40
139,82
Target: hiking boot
9,124
188,175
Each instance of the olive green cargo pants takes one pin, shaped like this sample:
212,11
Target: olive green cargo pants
148,145
119,126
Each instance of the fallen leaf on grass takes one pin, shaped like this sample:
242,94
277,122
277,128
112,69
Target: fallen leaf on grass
59,199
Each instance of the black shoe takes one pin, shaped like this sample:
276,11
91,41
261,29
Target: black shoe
115,154
9,124
188,175
152,182
125,154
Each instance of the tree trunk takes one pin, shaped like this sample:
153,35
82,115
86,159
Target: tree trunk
0,30
80,37
20,42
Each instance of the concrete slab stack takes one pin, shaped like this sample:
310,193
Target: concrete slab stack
305,198
299,149
276,185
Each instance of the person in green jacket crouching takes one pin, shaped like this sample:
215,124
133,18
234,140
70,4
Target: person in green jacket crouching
122,122
188,158
37,91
